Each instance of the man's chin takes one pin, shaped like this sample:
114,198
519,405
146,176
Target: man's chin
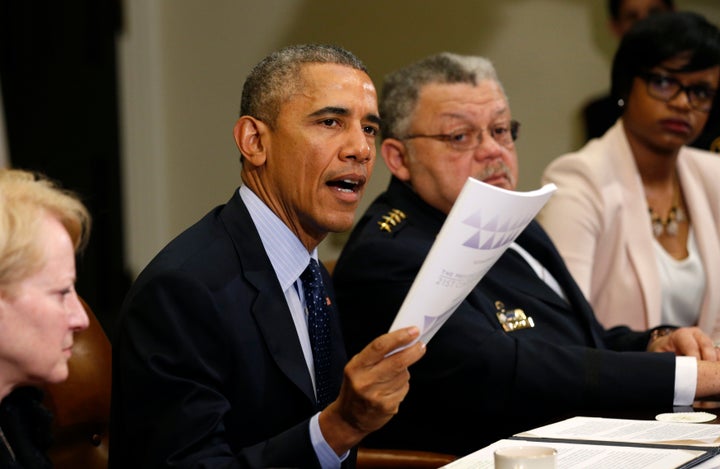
340,224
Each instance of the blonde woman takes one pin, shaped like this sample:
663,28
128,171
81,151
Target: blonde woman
41,229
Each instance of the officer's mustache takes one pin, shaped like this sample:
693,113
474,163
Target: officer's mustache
495,168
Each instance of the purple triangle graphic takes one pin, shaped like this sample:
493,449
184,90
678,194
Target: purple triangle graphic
473,241
474,220
488,244
491,225
429,321
507,239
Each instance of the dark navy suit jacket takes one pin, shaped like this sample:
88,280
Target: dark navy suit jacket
207,365
477,383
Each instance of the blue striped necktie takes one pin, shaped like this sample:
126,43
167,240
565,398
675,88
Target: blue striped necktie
319,330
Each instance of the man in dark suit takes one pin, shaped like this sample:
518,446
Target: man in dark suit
446,118
215,361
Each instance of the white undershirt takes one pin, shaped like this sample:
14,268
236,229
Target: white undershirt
682,284
541,271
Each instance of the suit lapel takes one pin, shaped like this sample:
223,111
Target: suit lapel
534,240
270,309
339,357
699,205
527,281
628,192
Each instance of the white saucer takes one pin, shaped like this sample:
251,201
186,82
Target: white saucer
686,417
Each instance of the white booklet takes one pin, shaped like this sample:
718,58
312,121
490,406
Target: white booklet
482,224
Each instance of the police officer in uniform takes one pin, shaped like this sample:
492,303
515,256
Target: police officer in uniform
524,347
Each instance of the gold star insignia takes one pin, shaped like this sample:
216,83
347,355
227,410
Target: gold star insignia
391,220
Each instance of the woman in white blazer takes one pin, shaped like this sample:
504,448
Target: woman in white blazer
637,212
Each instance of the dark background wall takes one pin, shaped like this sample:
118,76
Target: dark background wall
58,75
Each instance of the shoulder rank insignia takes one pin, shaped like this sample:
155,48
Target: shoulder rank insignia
513,319
391,219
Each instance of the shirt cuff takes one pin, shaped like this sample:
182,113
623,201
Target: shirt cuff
327,457
685,380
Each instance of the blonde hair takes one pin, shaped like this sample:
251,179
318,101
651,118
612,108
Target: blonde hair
24,198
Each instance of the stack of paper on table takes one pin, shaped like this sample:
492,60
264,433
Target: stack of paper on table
593,442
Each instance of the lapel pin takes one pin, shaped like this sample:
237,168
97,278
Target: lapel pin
514,319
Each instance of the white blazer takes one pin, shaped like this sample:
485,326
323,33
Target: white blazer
599,221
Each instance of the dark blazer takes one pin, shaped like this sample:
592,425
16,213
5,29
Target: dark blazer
25,422
477,383
207,366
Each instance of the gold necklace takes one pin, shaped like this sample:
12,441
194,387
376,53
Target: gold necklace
670,224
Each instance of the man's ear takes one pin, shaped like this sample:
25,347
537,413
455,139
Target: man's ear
251,138
394,153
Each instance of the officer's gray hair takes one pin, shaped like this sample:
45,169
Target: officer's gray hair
401,89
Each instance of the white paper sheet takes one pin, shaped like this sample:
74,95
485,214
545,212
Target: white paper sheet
483,222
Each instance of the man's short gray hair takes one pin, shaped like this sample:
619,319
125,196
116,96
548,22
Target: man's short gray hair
401,89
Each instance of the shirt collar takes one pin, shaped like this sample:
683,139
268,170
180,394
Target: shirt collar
288,256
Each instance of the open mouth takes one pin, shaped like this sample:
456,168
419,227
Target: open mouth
346,185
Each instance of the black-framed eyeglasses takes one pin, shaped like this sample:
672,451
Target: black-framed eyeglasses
666,88
469,139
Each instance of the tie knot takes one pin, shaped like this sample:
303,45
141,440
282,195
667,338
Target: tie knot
311,276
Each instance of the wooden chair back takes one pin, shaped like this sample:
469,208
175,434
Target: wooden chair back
81,404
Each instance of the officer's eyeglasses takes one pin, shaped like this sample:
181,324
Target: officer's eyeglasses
470,139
